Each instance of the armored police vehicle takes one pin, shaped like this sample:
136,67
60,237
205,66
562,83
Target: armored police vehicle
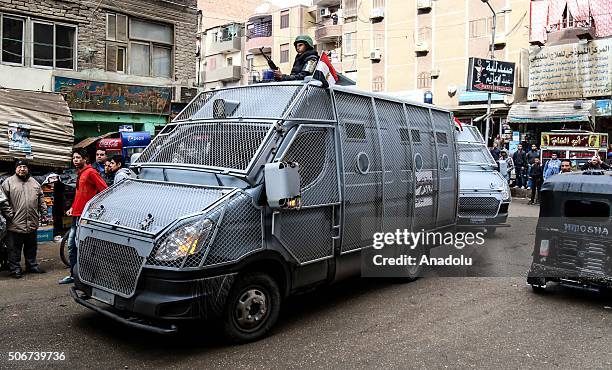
254,193
484,194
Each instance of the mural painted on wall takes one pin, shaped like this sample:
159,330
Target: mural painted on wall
112,97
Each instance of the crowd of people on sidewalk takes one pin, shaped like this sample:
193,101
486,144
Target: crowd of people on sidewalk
22,205
529,171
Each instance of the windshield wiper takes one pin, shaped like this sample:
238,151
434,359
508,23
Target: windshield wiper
218,179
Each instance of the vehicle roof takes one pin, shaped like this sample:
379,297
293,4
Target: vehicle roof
580,182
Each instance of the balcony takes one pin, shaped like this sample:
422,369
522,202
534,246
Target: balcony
224,46
326,3
259,35
229,73
328,32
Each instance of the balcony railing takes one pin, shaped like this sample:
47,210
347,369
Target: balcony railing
256,30
229,73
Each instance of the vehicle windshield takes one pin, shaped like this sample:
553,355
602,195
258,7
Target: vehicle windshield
223,145
186,176
475,154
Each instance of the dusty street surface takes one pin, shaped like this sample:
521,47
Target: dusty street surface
435,322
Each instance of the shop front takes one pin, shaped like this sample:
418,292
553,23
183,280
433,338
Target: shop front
102,107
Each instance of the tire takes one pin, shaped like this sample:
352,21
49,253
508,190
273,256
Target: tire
252,308
64,249
412,273
538,289
538,284
491,231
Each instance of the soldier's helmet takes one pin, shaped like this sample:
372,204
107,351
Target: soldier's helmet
305,39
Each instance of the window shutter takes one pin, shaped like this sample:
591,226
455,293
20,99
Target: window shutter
121,28
111,58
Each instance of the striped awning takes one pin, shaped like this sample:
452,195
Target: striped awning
552,111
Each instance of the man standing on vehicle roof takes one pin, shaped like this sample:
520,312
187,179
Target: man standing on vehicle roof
305,61
89,183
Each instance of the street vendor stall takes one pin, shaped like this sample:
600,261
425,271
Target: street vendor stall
577,146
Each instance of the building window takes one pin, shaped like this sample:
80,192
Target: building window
53,45
378,84
350,8
284,19
424,34
12,32
378,4
116,27
284,53
141,47
348,43
423,80
481,27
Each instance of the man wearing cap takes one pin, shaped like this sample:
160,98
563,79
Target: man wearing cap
25,205
305,61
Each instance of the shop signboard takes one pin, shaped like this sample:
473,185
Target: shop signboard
492,76
571,71
109,144
113,97
574,140
135,139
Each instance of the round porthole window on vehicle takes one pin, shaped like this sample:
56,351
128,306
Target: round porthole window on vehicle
363,163
418,162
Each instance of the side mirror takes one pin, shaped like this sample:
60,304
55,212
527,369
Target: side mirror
283,184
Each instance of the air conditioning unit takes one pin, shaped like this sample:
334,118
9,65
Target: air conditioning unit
377,13
434,73
324,12
375,55
421,47
500,39
423,4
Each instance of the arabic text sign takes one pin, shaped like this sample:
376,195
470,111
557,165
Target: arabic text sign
571,71
112,97
588,140
494,76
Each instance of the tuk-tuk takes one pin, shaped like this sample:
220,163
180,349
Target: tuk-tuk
573,244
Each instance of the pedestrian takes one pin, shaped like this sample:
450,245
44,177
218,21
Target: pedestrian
537,178
120,173
566,166
108,173
88,184
552,167
495,152
101,158
3,250
305,61
531,156
520,166
23,210
595,164
506,165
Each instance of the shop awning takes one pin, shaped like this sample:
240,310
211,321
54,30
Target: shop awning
90,140
552,111
35,125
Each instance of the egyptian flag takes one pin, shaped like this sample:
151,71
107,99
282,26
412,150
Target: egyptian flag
458,124
325,72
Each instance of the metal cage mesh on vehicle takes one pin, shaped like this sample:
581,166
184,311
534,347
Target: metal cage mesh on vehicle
478,206
214,144
315,104
262,101
304,244
111,266
314,149
131,201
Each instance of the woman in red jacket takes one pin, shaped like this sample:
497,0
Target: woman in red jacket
89,183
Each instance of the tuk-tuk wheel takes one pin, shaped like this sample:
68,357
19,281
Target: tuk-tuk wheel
491,231
252,308
538,285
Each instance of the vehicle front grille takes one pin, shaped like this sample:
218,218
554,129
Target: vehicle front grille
478,206
110,266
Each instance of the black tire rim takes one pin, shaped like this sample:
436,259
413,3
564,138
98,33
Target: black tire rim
251,309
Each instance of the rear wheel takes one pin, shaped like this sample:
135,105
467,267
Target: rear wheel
538,284
252,308
491,231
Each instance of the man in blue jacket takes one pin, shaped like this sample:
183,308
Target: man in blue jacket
552,167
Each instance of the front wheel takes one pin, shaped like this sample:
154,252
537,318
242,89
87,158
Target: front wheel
64,249
252,308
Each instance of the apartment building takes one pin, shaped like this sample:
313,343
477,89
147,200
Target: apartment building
116,62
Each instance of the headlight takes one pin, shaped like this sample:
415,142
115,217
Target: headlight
505,195
184,241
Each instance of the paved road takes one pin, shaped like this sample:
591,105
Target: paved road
492,320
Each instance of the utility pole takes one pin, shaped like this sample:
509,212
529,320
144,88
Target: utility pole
488,124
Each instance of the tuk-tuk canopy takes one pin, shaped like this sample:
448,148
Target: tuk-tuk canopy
590,182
